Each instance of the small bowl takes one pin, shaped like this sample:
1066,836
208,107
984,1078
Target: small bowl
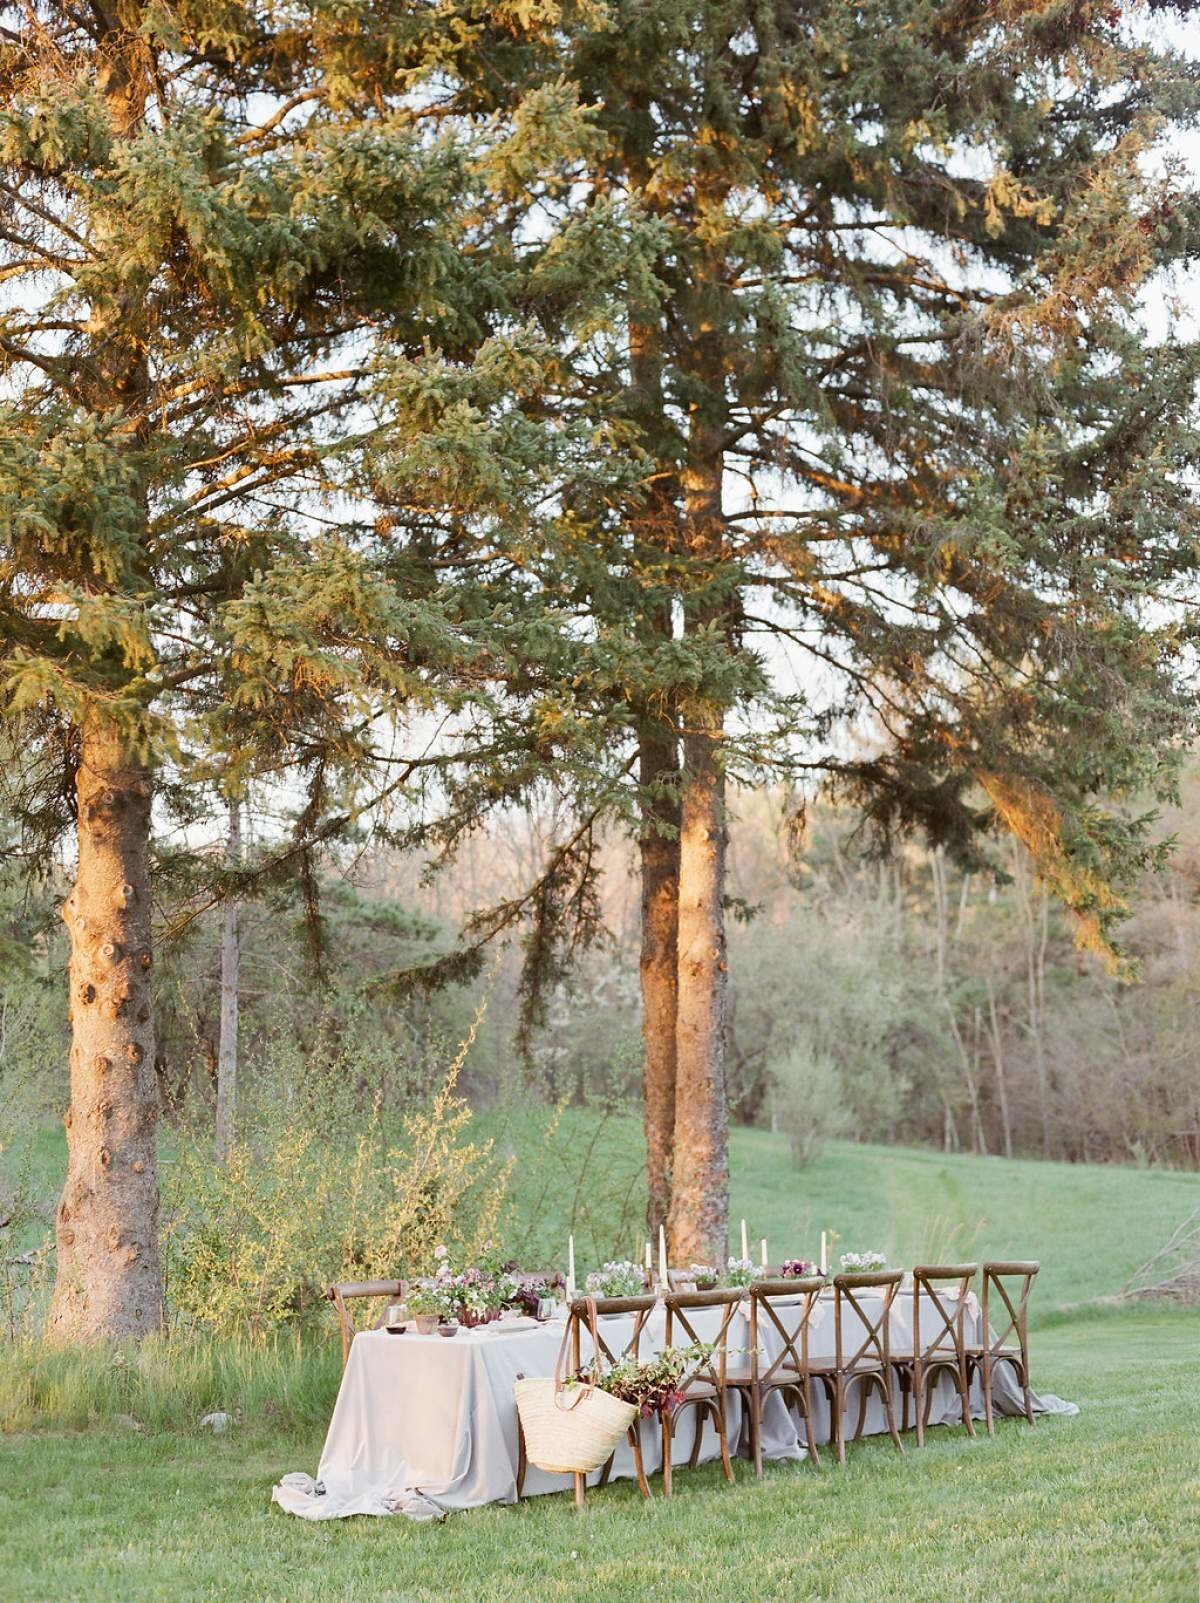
449,1327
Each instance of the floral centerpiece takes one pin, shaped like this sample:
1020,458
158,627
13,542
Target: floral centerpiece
741,1272
797,1269
704,1276
481,1296
655,1385
621,1278
531,1294
477,1294
429,1302
862,1263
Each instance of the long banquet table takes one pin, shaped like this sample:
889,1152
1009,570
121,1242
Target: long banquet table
426,1424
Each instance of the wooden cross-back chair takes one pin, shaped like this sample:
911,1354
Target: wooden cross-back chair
345,1291
782,1311
868,1365
577,1323
1009,1284
939,1342
704,1389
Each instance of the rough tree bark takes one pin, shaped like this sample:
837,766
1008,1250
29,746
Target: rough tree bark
108,1279
655,521
227,1046
659,762
699,1216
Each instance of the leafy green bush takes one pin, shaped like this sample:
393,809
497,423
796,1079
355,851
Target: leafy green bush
808,1101
316,1191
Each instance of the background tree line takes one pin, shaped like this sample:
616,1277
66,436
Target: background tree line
890,1001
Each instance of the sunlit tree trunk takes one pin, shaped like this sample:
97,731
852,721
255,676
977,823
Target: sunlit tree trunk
654,519
108,1281
699,1215
659,848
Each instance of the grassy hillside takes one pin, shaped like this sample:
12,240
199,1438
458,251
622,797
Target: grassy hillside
1090,1225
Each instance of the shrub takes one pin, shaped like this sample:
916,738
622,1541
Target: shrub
808,1101
313,1192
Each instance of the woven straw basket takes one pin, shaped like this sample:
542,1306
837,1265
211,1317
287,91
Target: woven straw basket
571,1429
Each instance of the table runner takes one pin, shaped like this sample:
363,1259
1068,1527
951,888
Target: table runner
426,1424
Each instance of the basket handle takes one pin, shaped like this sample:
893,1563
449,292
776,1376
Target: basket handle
582,1388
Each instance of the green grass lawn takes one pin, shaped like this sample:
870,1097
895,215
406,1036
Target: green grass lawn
1095,1508
1102,1506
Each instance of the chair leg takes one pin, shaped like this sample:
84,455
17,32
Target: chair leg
864,1394
697,1434
839,1425
1026,1392
987,1393
580,1484
756,1429
608,1465
810,1429
522,1460
666,1453
929,1396
920,1406
885,1386
635,1441
964,1396
718,1408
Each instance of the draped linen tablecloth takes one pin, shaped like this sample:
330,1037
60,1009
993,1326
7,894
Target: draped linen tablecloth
426,1424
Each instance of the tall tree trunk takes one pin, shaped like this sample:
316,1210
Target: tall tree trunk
659,846
108,1280
227,1047
699,1216
654,520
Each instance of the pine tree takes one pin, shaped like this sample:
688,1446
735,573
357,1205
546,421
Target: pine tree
221,229
916,431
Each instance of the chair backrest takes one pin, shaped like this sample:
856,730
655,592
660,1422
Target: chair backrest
682,1308
940,1291
875,1345
345,1291
785,1309
1012,1282
640,1307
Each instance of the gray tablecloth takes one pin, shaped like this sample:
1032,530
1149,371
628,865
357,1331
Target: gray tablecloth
423,1424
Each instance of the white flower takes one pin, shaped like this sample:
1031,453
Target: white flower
862,1262
441,1250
